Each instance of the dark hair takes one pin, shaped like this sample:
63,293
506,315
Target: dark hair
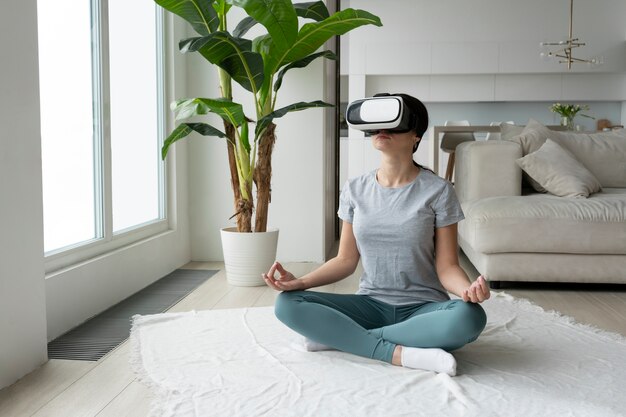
421,120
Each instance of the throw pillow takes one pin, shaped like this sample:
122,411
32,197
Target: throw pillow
508,131
559,172
603,153
531,138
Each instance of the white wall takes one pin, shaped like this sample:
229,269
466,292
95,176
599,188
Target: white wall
210,198
479,61
77,293
503,87
484,37
300,163
330,147
22,299
458,51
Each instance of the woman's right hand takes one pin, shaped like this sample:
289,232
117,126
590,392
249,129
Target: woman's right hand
285,282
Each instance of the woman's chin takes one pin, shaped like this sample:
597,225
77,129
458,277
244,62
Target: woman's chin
381,142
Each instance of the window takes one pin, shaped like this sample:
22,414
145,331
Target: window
134,115
65,83
102,121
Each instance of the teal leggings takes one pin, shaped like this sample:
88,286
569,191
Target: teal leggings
364,326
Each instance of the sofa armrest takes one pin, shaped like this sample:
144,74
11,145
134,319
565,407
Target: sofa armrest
487,169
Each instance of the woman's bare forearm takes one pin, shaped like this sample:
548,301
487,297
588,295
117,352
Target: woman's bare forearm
332,271
454,280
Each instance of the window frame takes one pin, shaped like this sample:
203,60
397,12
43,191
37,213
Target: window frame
106,240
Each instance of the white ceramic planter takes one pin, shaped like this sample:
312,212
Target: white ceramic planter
248,255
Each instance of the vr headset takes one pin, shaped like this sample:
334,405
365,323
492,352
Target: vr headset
384,112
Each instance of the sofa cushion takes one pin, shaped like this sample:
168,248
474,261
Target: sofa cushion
508,131
602,153
559,172
531,137
547,223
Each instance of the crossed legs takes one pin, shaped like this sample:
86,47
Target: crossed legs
367,327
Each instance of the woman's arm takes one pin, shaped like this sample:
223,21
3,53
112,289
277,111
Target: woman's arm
333,270
451,275
341,266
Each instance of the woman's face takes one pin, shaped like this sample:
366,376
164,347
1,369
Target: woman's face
395,143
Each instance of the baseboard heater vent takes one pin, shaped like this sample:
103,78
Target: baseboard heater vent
99,335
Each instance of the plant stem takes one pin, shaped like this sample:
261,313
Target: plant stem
242,188
225,84
263,177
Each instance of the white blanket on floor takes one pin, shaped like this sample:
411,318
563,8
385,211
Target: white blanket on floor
244,362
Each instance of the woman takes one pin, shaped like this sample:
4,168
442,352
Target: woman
401,221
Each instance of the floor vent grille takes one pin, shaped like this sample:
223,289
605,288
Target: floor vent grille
99,335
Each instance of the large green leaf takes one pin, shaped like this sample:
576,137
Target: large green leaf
261,44
234,55
244,26
315,10
301,64
245,141
313,35
265,121
278,16
199,13
226,109
184,129
221,7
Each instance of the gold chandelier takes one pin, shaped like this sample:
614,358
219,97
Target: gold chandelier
565,47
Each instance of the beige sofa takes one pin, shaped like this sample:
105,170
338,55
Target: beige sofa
513,233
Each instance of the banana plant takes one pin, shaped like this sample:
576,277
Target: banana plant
259,66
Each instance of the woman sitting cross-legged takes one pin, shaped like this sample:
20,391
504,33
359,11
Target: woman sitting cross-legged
400,220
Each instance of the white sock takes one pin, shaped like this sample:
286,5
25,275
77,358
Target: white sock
312,346
437,360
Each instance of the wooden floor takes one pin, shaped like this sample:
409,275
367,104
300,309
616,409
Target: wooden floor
108,388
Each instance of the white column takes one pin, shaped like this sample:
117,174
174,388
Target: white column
22,292
356,138
433,149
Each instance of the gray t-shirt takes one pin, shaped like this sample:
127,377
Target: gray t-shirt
395,234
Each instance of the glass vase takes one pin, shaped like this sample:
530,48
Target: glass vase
568,122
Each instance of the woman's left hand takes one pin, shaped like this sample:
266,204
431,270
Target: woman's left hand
477,292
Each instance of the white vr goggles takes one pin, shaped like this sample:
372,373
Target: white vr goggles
374,114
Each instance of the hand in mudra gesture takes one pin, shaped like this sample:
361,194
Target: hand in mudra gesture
477,292
285,281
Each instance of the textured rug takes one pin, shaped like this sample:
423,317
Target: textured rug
244,362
